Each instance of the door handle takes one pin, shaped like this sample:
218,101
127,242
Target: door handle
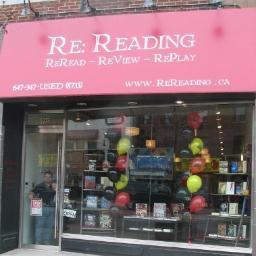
58,167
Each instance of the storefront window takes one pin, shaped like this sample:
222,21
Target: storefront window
172,173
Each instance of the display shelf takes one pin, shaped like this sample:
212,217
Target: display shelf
229,216
165,231
93,189
96,171
96,209
229,195
150,225
226,238
98,229
148,177
231,174
134,217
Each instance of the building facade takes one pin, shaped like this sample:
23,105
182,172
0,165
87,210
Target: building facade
128,127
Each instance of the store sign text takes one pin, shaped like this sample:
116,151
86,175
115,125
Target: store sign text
104,43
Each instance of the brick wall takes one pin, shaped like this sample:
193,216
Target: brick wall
67,8
71,8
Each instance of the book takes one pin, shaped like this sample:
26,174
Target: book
224,209
232,230
106,182
141,209
230,188
222,187
91,201
89,220
159,210
244,186
177,209
238,188
223,167
242,167
105,221
104,203
233,208
243,232
234,167
222,229
89,182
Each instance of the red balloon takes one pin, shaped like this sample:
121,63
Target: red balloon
197,204
197,165
122,199
194,120
121,163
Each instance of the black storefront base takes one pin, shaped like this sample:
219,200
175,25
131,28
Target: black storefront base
122,249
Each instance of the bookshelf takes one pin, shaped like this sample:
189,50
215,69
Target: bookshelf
230,195
96,215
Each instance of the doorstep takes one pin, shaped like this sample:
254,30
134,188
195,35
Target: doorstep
42,252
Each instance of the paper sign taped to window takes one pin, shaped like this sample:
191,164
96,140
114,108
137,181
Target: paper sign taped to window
36,207
69,213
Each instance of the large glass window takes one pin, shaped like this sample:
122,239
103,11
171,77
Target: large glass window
168,173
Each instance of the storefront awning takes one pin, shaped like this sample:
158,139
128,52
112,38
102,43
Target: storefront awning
182,52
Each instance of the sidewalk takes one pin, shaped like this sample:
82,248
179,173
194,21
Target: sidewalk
42,252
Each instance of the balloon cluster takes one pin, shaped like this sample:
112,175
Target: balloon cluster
197,164
118,176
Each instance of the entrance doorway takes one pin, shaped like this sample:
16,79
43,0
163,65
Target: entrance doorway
41,185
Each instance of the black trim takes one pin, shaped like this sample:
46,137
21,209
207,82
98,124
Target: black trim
122,249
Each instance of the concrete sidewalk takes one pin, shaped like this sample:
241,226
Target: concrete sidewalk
42,252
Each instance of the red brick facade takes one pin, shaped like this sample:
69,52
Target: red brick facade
71,8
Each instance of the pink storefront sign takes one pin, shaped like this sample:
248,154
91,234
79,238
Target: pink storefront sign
176,52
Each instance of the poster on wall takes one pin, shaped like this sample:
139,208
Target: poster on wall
36,207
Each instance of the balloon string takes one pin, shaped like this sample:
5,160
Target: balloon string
195,131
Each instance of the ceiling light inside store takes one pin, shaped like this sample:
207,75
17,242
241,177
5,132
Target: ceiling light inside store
221,142
150,144
78,118
84,104
220,132
132,103
87,123
132,131
218,113
221,149
32,105
179,102
219,126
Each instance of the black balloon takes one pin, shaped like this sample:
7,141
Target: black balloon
182,195
109,193
185,153
113,175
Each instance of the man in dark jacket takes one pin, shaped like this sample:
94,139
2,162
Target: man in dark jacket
44,224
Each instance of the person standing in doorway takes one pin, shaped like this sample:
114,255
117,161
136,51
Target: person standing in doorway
44,224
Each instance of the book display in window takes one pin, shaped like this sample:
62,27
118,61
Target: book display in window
230,219
105,221
159,210
95,207
141,209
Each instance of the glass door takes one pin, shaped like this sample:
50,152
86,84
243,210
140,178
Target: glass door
42,171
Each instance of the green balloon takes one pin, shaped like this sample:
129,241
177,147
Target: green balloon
198,142
123,146
196,146
194,183
122,183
